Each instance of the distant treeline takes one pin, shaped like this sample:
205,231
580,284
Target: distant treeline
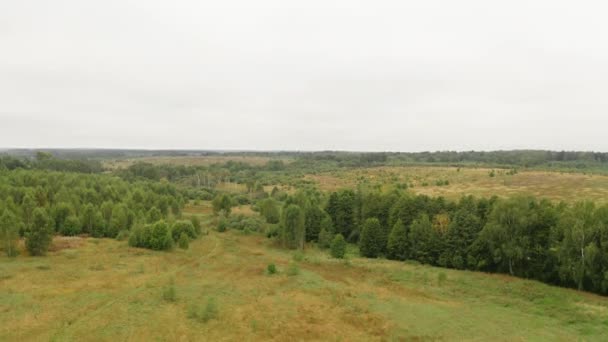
558,244
523,158
46,161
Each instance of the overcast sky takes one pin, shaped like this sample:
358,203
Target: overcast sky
304,75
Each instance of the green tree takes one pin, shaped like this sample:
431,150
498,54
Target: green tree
60,214
269,208
118,221
183,227
222,204
27,208
372,241
338,247
292,229
313,218
326,234
154,215
397,246
160,236
507,233
421,238
71,226
92,221
39,236
9,233
580,227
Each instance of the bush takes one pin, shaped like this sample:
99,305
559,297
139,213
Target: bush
441,278
338,247
298,256
183,227
169,293
156,237
204,315
222,225
196,223
293,269
184,241
271,269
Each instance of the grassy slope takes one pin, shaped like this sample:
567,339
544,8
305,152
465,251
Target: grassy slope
104,290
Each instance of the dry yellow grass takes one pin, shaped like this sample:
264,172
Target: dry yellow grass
189,161
102,290
473,181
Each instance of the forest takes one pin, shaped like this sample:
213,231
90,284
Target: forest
561,243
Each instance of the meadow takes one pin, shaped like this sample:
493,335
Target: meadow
431,181
101,289
242,285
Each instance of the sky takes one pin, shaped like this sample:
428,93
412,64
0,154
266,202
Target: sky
355,75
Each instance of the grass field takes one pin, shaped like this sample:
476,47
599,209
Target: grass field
188,161
473,181
100,289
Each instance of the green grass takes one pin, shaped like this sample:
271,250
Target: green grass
219,289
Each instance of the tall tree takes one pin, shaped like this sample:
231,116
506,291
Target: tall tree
372,242
39,236
397,246
580,227
9,233
292,228
421,238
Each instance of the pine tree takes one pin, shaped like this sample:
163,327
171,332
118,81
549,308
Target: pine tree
371,242
397,246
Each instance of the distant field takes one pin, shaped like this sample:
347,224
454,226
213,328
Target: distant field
190,161
100,289
472,181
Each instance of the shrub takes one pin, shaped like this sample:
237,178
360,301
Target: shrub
204,315
441,278
183,227
298,256
271,269
169,293
196,223
293,269
184,241
160,236
156,237
338,247
222,225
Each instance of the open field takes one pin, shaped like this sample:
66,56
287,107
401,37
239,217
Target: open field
189,161
473,181
100,289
